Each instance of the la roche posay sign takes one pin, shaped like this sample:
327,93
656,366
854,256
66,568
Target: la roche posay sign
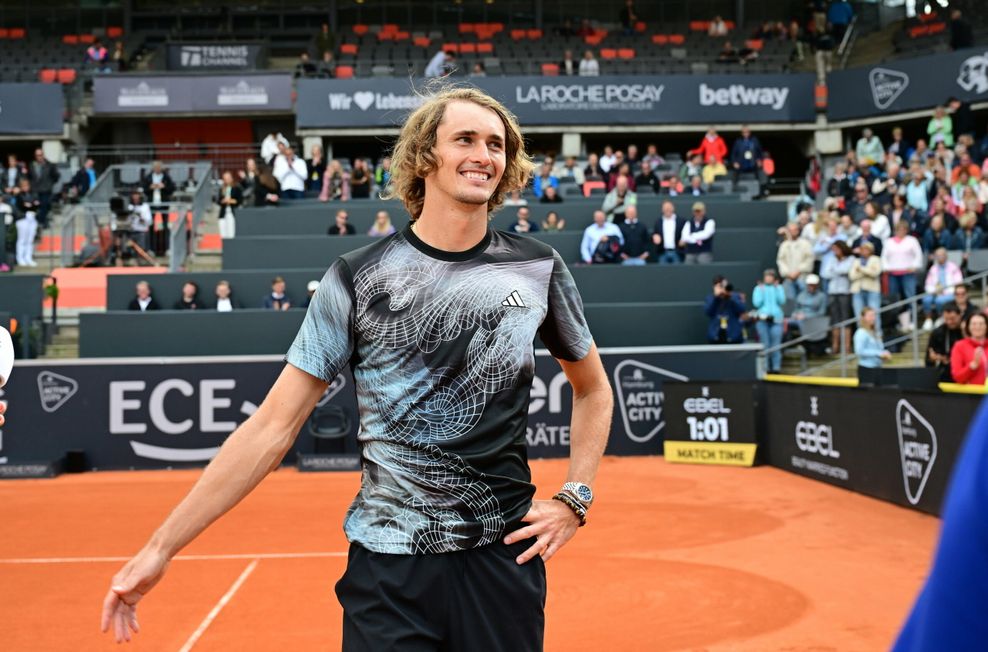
599,100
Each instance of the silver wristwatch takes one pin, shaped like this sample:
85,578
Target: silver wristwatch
581,492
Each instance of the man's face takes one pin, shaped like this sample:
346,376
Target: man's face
960,296
941,256
866,228
599,218
621,184
278,287
523,214
223,291
952,319
470,148
696,181
143,290
793,230
11,161
341,218
228,178
631,213
668,209
812,288
745,132
39,155
646,168
189,290
698,214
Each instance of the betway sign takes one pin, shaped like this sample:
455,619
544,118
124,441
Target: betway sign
628,99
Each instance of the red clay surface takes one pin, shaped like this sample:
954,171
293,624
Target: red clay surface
674,558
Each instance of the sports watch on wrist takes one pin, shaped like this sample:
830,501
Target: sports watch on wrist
581,492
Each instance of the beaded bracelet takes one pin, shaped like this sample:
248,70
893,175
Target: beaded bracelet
577,508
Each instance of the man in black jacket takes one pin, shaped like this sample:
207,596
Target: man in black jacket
143,301
746,158
158,185
636,238
44,175
942,341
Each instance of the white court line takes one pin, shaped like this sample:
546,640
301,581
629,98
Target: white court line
91,560
211,616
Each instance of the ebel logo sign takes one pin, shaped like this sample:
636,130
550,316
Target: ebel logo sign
242,94
367,99
210,56
886,86
917,447
143,95
816,438
973,75
773,97
707,428
639,390
592,97
55,390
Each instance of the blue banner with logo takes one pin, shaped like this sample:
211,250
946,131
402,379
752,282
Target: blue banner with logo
605,100
192,94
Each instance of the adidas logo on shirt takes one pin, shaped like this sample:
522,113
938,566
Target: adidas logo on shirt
514,301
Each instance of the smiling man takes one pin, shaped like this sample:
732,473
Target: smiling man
436,323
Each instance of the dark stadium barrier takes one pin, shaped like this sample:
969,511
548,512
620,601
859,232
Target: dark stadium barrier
894,445
22,295
258,332
309,218
292,252
32,108
162,413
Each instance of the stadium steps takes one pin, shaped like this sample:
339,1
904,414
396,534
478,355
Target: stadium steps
64,345
791,364
874,47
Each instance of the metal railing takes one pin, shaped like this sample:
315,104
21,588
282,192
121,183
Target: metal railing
847,43
845,355
176,157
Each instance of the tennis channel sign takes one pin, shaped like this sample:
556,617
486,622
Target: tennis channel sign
711,423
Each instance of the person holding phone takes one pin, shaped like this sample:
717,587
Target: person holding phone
967,359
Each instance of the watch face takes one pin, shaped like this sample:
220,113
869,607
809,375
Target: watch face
583,493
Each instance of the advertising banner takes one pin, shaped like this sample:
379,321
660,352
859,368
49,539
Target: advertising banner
195,56
710,423
908,84
157,413
893,445
162,94
31,109
606,100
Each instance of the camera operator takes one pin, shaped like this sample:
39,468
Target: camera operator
724,308
129,223
768,299
140,219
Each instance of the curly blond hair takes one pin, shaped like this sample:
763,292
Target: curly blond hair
414,157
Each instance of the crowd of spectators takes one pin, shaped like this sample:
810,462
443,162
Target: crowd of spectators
26,197
223,299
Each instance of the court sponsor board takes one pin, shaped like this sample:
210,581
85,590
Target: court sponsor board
607,100
711,423
907,84
211,94
32,108
159,413
893,445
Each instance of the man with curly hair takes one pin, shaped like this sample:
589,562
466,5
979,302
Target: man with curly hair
436,323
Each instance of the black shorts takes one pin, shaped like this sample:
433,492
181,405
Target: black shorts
478,599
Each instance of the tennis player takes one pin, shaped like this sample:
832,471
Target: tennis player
436,323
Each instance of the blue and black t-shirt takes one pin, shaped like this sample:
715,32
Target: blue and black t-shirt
440,346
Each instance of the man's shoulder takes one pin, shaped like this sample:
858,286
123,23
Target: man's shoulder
368,254
522,247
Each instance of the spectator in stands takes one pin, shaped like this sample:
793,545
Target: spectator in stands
12,175
291,173
878,223
316,167
728,54
514,198
768,299
247,179
158,185
646,179
942,341
341,225
712,170
278,298
118,58
478,70
811,302
746,158
961,33
568,66
270,146
268,192
326,68
794,259
628,17
941,127
588,65
325,40
636,238
963,301
840,184
608,160
855,207
711,145
902,259
44,175
382,225
600,231
836,271
823,244
824,44
866,279
82,181
969,236
26,205
304,67
98,57
967,358
869,150
665,237
544,178
961,118
593,171
141,220
190,298
941,279
619,199
551,196
360,180
310,291
697,236
918,190
230,197
382,173
569,170
335,183
717,27
522,222
848,229
867,236
652,157
839,15
566,30
936,236
900,147
225,301
696,187
632,159
585,29
724,309
868,345
143,301
964,165
621,170
441,64
674,186
553,223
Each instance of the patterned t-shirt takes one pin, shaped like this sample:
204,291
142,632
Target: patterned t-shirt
440,346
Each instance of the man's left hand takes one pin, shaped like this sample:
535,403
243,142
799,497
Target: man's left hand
552,523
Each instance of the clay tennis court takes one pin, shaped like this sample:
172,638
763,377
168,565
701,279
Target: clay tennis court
675,558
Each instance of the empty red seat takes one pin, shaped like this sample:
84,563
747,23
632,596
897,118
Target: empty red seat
402,36
517,34
485,48
754,44
699,25
4,32
626,53
467,28
66,76
360,30
348,48
344,72
47,75
114,32
451,47
677,39
17,32
550,69
71,39
421,41
660,39
640,27
468,47
608,53
533,34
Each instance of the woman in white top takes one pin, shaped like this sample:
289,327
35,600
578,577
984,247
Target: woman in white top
880,227
224,298
902,258
588,65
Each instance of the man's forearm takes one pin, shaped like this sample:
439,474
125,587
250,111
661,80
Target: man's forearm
249,454
589,429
